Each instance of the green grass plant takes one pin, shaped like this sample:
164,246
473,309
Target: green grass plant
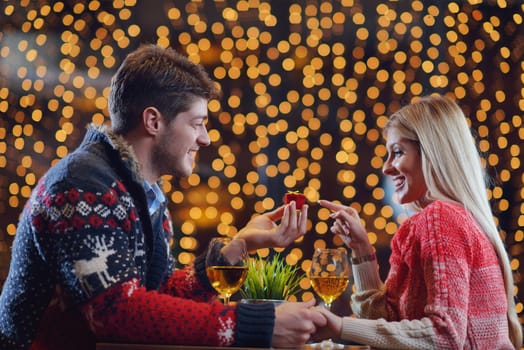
271,279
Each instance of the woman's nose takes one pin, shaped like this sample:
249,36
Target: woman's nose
388,168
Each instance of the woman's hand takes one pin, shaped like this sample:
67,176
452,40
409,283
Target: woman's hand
263,232
348,226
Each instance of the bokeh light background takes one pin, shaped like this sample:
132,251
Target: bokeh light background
307,86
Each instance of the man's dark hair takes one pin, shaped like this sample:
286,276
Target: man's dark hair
157,77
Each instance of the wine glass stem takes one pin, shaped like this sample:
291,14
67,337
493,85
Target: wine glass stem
226,299
328,343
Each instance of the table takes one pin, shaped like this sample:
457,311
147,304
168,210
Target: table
113,346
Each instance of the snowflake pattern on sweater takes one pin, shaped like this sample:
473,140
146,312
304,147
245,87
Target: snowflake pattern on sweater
89,262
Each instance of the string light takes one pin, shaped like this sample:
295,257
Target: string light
307,88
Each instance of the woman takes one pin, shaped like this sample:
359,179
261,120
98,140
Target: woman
450,285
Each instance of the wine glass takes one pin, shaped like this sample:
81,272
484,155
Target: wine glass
226,266
329,276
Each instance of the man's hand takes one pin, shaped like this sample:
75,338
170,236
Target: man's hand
263,232
234,251
331,330
295,322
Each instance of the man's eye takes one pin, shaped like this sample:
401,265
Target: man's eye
202,123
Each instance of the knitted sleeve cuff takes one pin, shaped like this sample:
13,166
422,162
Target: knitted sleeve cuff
366,276
255,324
358,330
200,271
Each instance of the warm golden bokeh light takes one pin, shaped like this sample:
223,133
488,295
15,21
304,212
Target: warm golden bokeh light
307,87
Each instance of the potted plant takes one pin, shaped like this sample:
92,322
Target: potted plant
270,280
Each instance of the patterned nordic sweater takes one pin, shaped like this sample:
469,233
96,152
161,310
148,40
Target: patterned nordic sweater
88,262
445,288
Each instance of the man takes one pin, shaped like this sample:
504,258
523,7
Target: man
91,259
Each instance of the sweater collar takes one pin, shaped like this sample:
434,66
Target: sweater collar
103,133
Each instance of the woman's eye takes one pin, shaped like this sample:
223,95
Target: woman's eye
397,153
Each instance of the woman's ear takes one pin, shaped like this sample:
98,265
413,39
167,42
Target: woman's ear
152,120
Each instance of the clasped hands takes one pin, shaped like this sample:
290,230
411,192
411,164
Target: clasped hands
296,323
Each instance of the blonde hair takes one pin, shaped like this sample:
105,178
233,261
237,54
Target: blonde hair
439,126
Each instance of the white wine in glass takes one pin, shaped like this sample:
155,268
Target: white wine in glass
226,267
329,288
226,279
329,275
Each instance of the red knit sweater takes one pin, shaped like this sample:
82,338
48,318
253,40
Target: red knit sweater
445,288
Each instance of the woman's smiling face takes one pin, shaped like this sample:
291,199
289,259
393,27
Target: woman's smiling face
404,165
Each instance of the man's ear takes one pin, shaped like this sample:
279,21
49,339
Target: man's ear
152,120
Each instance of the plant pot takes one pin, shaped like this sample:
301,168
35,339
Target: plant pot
261,301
